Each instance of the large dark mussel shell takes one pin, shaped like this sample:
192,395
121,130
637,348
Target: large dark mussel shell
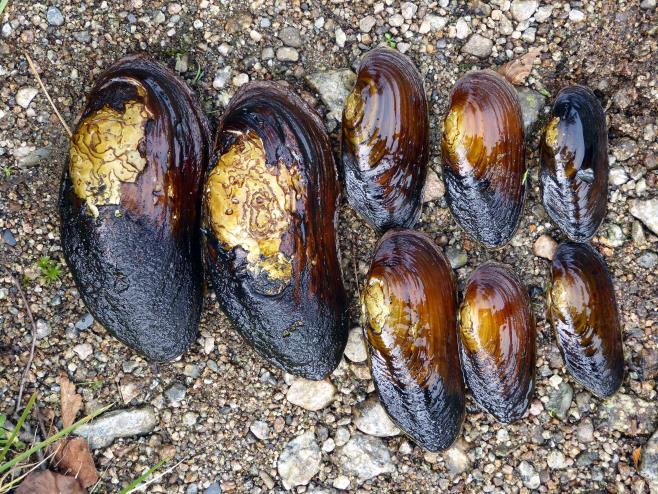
582,308
574,163
498,341
483,151
385,140
409,309
270,204
129,207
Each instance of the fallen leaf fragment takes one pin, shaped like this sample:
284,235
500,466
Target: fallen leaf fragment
70,401
73,458
47,482
518,70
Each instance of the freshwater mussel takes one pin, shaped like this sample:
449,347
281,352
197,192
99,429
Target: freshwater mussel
582,308
483,150
270,215
385,140
130,207
574,163
409,312
498,341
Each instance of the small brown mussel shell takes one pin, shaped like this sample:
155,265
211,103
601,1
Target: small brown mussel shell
574,163
582,308
130,207
498,341
409,311
385,140
483,149
270,205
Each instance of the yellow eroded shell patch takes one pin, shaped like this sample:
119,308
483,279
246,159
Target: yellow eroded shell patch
375,306
551,132
251,205
104,153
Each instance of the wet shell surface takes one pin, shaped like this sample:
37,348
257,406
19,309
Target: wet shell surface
574,163
409,312
498,341
483,150
385,140
130,207
270,215
582,308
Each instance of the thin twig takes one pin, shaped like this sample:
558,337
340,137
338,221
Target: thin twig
354,268
28,366
45,91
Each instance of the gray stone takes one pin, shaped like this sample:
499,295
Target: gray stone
649,459
341,483
222,77
576,15
8,237
523,9
529,475
342,436
333,86
436,22
543,13
367,23
586,458
213,488
299,461
462,29
585,431
434,187
43,329
260,430
618,176
355,350
267,53
545,247
364,457
648,4
408,10
287,54
628,414
560,401
83,350
648,260
624,149
311,395
613,236
290,37
84,36
456,460
456,257
556,460
84,322
341,38
129,422
396,20
25,95
531,103
479,46
646,212
175,393
34,157
371,418
54,16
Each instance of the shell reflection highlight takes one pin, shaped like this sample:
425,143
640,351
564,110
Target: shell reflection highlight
385,140
498,341
582,308
574,163
483,148
409,312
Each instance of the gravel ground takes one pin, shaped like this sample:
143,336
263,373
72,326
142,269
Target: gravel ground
238,425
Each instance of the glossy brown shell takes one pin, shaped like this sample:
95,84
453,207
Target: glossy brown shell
582,308
385,140
483,148
574,163
498,341
409,311
270,215
129,206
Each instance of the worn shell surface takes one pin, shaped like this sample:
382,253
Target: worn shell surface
483,151
385,140
582,308
498,341
409,310
574,163
130,207
270,214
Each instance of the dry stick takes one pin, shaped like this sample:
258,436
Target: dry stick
45,91
34,339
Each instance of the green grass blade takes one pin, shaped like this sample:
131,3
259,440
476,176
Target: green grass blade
19,424
135,483
64,432
3,4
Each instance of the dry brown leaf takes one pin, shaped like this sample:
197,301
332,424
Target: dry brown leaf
70,401
637,454
73,458
518,70
47,482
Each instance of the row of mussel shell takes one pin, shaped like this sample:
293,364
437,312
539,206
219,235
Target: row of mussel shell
148,203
